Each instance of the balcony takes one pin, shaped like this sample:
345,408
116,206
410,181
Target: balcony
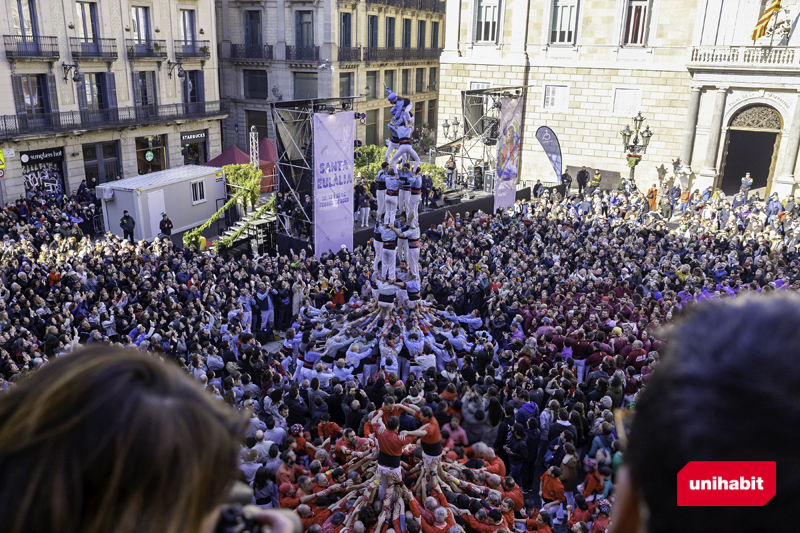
13,126
435,6
302,53
349,54
402,54
187,50
146,50
253,52
750,58
97,50
26,48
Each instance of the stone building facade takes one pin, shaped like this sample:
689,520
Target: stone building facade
105,89
590,65
280,50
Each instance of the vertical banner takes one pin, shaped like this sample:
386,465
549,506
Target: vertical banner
547,138
507,172
333,181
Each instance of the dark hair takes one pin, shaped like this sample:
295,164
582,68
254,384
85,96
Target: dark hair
696,397
75,435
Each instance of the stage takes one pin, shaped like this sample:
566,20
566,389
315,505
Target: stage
467,202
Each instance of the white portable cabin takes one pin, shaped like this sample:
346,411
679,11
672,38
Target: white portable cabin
188,195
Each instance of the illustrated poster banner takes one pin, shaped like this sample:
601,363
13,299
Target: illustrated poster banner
333,181
507,171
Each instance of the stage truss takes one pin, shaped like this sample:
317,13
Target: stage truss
294,142
477,148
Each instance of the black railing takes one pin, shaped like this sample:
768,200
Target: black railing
192,49
37,48
149,49
349,54
401,54
47,123
302,53
438,6
251,51
98,49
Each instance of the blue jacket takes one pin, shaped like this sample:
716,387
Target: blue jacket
526,412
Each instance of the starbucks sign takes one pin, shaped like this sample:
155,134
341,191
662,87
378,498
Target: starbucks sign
148,155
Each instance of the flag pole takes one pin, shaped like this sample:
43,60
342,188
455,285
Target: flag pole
774,24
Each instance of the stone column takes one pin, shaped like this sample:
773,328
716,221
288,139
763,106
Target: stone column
452,25
279,50
787,160
709,172
687,146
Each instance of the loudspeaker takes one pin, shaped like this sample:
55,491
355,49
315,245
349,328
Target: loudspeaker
473,112
437,204
452,201
491,129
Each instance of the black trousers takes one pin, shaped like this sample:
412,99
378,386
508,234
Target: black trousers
127,235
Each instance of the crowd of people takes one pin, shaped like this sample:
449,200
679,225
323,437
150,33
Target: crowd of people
472,383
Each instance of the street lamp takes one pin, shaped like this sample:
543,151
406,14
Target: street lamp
446,128
638,146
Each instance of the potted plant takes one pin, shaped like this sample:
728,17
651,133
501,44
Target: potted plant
205,49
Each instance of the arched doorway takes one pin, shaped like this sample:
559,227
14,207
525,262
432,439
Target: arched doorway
751,145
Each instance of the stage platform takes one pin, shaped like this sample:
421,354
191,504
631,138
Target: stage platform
468,202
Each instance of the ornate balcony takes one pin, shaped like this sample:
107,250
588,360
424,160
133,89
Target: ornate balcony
756,58
97,50
27,48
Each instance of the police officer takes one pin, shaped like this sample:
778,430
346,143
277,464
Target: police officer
165,225
127,224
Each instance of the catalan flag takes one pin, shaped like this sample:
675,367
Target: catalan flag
761,25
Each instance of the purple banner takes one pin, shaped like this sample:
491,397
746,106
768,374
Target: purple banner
547,138
508,145
333,181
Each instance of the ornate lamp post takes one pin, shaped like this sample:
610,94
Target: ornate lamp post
446,129
638,146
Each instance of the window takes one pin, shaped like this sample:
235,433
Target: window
86,23
372,31
198,192
252,28
30,95
100,161
305,29
372,83
255,84
94,91
627,101
140,24
144,88
565,15
556,97
434,35
345,37
420,86
23,18
432,79
194,90
421,34
345,83
186,29
406,33
635,22
305,85
390,42
372,127
479,85
406,81
151,153
387,117
388,78
486,30
432,116
259,120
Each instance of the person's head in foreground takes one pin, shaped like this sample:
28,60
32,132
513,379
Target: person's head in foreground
725,363
112,440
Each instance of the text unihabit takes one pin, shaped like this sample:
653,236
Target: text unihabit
718,483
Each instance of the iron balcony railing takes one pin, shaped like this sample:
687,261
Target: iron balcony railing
349,54
251,51
402,54
99,49
437,6
302,53
12,126
27,48
192,49
149,49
